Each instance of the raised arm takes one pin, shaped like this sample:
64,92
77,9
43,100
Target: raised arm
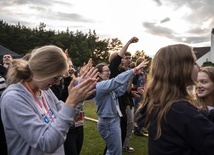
124,49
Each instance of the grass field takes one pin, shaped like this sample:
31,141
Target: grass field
93,143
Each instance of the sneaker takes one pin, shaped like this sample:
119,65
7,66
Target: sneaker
144,132
141,133
138,133
128,149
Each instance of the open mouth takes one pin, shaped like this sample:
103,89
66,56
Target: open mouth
200,91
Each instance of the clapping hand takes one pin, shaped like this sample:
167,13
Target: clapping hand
80,92
91,73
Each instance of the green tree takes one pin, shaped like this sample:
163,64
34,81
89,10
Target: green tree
81,47
207,63
114,45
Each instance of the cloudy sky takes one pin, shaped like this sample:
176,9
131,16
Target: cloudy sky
155,22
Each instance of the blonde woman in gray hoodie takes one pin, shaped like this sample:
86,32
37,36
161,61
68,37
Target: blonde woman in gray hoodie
35,121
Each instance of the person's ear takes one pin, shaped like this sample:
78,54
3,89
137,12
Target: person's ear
99,74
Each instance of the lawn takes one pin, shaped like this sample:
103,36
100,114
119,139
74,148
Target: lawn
93,143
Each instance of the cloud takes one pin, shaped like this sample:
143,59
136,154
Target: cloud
46,13
199,10
73,17
24,2
198,31
158,2
198,15
188,21
191,37
165,20
35,2
154,29
38,8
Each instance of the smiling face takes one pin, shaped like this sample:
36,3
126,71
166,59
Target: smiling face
205,86
7,59
105,74
71,69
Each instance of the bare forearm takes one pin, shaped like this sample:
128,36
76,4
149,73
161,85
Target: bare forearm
124,49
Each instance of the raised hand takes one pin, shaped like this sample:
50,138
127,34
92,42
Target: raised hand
90,63
134,40
66,53
142,64
86,67
80,92
91,73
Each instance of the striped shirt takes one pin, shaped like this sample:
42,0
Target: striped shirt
2,85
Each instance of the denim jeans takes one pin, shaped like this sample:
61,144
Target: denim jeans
109,129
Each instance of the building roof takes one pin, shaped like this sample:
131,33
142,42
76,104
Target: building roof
4,50
200,51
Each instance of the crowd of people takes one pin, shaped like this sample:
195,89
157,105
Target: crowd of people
42,98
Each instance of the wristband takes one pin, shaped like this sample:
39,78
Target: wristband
136,70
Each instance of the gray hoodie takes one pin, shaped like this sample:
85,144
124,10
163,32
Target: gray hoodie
25,129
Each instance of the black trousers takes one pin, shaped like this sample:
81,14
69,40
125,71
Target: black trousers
3,144
123,125
74,141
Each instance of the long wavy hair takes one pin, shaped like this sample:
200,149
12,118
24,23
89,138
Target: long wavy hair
171,73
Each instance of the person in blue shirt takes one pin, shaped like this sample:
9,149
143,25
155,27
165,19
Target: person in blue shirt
108,110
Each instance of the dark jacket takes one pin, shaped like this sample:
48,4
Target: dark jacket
115,70
3,71
185,132
3,145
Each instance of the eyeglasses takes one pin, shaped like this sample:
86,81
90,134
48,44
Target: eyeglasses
106,70
58,78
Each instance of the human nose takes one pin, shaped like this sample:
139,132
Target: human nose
199,84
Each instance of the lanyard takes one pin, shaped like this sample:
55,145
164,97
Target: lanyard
38,102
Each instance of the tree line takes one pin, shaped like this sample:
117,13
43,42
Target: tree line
81,46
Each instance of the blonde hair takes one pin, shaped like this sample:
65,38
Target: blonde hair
209,70
44,63
171,73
